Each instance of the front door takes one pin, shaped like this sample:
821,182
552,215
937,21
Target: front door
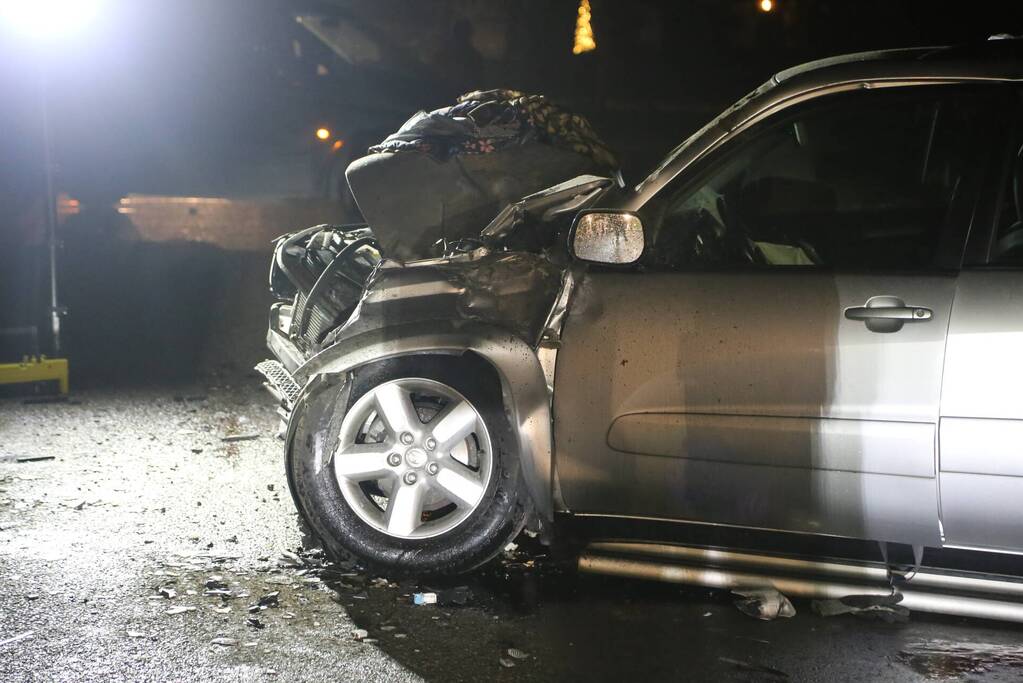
776,360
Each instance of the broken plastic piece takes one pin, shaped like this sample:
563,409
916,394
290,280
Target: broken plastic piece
424,598
763,603
884,607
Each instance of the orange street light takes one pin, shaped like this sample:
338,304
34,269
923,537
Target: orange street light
323,133
765,5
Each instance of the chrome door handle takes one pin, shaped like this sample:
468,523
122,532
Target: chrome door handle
888,314
904,313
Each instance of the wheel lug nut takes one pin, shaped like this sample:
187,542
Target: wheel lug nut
433,468
406,438
410,478
394,460
431,443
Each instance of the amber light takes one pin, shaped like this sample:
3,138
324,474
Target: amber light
766,5
584,40
323,133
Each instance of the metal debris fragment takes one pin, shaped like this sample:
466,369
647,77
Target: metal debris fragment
167,592
231,438
360,634
180,609
765,603
290,559
516,653
268,600
26,458
225,642
217,587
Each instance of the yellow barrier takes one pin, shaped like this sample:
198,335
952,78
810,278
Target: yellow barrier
36,370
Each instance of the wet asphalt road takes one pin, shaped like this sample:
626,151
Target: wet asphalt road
144,494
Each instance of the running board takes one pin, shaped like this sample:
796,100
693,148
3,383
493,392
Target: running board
958,594
279,382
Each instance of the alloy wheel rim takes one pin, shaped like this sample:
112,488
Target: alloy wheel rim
413,458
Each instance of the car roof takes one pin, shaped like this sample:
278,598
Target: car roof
996,58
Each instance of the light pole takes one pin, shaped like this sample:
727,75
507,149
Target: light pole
51,210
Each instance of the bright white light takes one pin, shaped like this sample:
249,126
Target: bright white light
43,19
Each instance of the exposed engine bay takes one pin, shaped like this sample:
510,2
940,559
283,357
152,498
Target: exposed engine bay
333,282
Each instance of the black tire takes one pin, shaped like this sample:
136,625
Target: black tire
499,517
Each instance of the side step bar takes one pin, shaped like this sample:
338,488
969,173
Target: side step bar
279,382
957,594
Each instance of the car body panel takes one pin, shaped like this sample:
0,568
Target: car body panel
752,386
981,433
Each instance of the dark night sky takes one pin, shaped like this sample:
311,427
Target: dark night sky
210,98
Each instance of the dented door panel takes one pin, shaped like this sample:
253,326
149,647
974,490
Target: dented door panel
748,398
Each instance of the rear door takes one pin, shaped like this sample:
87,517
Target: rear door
777,361
981,439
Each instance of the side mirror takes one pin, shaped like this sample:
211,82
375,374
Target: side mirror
607,236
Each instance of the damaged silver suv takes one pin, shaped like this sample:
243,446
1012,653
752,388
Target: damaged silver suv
808,318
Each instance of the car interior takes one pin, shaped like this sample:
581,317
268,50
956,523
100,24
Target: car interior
841,187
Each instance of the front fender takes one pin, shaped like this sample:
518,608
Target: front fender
523,385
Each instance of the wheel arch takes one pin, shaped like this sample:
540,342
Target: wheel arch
523,385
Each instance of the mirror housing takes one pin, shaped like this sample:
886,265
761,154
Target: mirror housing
607,236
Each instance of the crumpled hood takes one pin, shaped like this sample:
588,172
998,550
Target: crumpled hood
513,290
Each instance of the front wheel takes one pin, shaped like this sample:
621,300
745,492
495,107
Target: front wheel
416,474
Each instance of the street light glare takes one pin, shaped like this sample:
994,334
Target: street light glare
43,19
322,133
766,5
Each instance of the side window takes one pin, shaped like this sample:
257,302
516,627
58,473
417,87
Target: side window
866,179
1007,248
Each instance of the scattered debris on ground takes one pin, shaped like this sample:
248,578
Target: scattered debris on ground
946,659
231,438
883,607
26,458
271,599
424,598
759,669
763,603
15,639
225,642
180,609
